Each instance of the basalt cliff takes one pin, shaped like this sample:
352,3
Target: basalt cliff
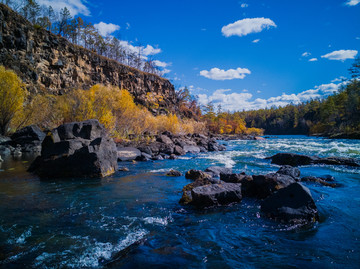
50,63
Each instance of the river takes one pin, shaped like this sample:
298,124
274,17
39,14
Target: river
92,222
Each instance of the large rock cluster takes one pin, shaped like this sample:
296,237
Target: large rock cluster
50,63
169,146
77,149
282,196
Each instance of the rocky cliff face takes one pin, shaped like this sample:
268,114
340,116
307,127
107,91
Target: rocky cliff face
45,61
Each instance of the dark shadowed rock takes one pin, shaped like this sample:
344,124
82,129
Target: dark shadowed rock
338,161
174,173
28,135
179,150
264,185
196,174
216,170
292,159
216,194
289,170
186,197
128,154
292,204
164,139
73,150
29,138
297,160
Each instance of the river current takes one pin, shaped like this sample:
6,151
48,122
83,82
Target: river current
133,219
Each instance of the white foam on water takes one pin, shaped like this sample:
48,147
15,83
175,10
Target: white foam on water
162,170
91,257
21,239
157,220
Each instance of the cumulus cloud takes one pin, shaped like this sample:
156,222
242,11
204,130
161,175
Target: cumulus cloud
313,60
256,41
75,7
341,55
106,29
247,26
306,54
220,74
352,2
244,5
145,51
161,64
233,101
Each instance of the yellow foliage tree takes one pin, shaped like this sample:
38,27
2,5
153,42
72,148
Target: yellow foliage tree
12,96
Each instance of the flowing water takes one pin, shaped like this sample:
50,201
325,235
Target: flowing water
133,219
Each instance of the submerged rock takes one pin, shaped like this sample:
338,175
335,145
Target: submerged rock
197,174
77,149
174,173
216,194
293,204
320,180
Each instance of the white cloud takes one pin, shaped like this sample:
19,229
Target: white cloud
75,7
243,101
258,91
313,60
352,2
342,78
244,5
161,64
150,50
128,26
220,74
106,29
145,51
341,55
231,101
256,41
306,54
247,26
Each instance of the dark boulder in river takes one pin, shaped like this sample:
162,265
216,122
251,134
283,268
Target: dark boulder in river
291,159
289,170
298,159
263,186
215,171
77,149
216,194
293,204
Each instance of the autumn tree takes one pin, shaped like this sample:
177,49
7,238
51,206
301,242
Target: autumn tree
12,97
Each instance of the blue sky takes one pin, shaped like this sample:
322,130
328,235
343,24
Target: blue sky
244,54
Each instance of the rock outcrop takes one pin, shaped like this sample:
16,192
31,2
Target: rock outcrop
77,149
50,63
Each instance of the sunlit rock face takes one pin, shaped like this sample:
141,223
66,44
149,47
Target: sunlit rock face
50,63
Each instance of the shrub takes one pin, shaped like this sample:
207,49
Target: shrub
12,95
